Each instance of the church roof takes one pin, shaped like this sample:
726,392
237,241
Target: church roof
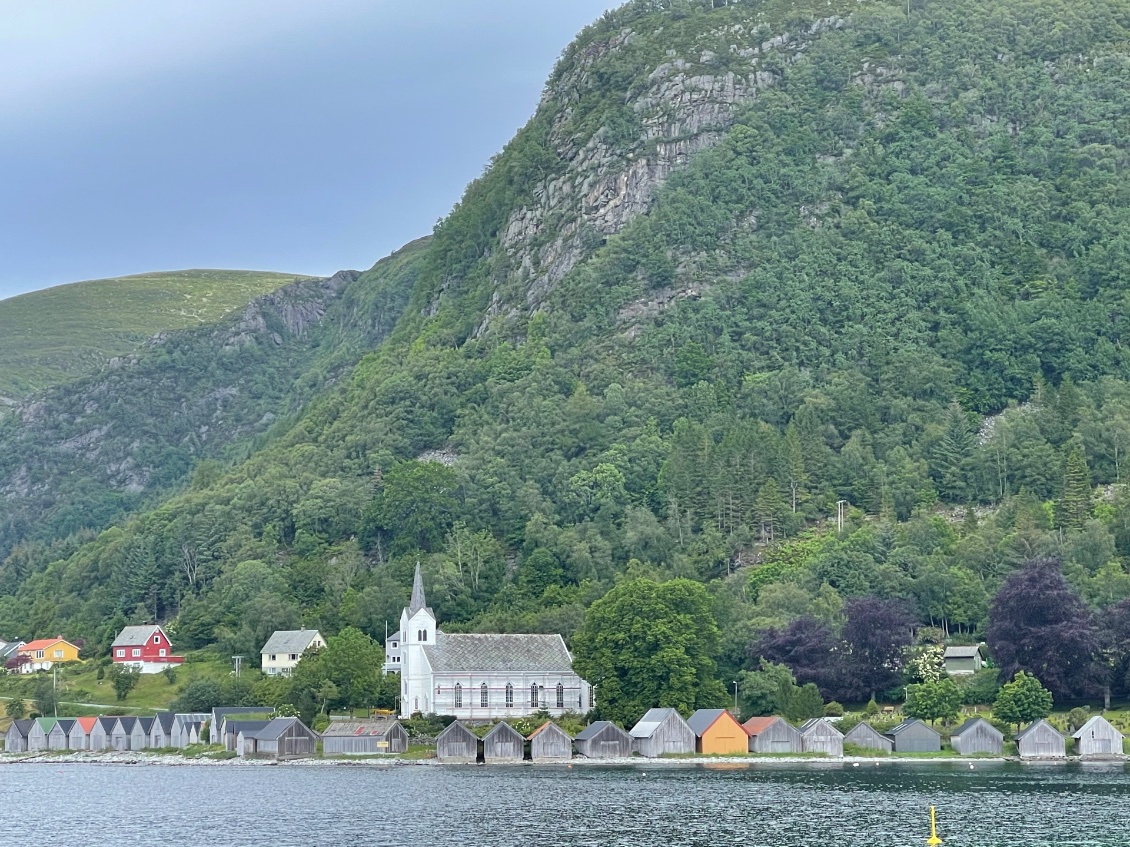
459,653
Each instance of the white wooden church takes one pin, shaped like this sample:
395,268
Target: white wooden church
479,677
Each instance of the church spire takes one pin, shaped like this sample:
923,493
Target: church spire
417,602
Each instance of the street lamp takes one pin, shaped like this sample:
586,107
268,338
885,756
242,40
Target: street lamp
735,697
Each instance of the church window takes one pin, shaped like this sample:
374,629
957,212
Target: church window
560,696
458,696
484,696
416,701
534,696
509,695
592,696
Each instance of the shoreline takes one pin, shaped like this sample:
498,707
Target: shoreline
144,759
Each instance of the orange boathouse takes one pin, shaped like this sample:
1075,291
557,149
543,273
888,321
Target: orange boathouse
718,733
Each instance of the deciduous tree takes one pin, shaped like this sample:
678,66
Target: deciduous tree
1022,700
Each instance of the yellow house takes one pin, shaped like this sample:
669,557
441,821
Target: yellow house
44,653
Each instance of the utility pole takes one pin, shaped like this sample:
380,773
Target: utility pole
238,665
55,688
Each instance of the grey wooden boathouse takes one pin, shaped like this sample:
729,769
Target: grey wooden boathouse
913,736
772,734
100,733
376,736
161,733
457,744
603,740
977,735
550,743
15,741
820,736
1041,740
503,744
662,731
60,735
1098,737
281,738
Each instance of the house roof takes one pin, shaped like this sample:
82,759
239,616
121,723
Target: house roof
276,727
394,637
651,721
503,653
908,724
1097,720
9,648
375,727
596,728
548,726
972,722
87,724
135,636
703,719
290,641
963,652
1034,726
756,726
44,643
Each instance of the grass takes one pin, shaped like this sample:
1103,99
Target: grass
59,334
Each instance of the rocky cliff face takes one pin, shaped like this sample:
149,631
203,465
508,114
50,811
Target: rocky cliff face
683,106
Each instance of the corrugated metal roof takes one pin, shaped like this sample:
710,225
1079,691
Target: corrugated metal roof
813,724
375,727
66,724
275,728
290,641
165,720
462,653
46,724
758,725
595,728
23,726
703,719
907,724
87,724
128,722
135,636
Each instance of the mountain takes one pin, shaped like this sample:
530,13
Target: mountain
744,264
52,336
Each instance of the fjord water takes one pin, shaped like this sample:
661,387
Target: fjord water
641,806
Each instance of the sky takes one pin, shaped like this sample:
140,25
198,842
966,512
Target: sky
287,135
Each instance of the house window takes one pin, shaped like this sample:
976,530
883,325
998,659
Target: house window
534,696
156,639
162,651
458,696
273,657
484,696
394,644
136,652
509,695
39,654
121,654
58,654
294,657
560,696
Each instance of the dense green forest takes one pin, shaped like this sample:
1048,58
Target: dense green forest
895,279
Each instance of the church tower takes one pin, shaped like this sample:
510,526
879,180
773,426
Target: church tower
417,631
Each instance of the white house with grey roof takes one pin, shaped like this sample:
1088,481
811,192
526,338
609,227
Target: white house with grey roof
284,649
482,677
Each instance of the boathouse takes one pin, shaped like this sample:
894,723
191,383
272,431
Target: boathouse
820,736
377,736
913,736
503,744
60,735
603,740
101,731
772,734
865,737
15,741
1041,740
1098,737
717,732
161,733
662,732
550,743
281,738
977,735
37,735
457,744
80,733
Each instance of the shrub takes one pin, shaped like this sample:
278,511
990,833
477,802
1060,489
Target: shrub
833,710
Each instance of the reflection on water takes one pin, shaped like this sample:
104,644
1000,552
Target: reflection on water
765,805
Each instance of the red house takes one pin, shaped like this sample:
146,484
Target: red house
146,648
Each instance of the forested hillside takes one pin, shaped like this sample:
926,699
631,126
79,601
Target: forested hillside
744,264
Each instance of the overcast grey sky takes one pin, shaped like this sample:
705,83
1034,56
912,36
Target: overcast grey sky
293,135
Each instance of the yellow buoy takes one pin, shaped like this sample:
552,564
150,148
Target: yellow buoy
933,839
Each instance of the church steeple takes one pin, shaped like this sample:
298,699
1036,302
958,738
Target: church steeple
417,602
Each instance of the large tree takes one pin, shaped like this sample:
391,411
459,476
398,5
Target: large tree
877,634
1114,650
809,648
1038,624
1022,701
647,644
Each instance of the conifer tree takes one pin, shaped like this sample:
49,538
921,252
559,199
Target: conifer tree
1074,509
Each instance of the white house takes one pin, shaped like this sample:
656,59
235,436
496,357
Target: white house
284,649
482,677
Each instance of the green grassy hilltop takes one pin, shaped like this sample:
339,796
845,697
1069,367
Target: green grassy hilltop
55,335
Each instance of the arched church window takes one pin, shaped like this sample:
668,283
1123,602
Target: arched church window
509,695
484,696
416,704
560,696
534,696
458,695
